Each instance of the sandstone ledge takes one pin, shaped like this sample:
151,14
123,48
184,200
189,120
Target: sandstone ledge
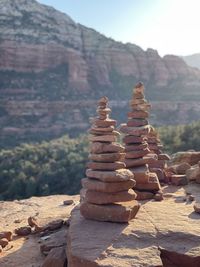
170,224
25,251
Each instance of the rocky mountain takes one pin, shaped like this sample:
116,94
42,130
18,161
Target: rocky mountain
52,70
193,60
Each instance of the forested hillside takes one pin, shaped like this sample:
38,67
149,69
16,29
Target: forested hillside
59,165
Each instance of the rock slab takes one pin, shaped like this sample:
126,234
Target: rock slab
171,225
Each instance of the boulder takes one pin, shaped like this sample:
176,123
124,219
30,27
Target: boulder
197,207
98,148
138,162
99,186
191,157
100,133
144,195
56,258
57,239
3,242
137,122
106,166
163,157
141,174
23,231
108,198
137,101
119,175
159,164
160,173
7,235
180,168
138,114
103,111
179,179
103,138
143,145
104,123
193,174
102,129
68,202
137,154
129,139
136,131
153,184
116,212
107,157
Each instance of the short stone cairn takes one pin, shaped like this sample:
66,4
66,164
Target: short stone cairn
108,193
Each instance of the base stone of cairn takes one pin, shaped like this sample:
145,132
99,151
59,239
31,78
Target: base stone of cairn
138,155
107,193
155,147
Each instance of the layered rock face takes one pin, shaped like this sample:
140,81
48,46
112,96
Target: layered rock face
48,62
107,193
136,146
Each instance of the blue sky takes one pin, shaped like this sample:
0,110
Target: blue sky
170,26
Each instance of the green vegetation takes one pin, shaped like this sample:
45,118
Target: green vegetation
56,167
180,137
42,169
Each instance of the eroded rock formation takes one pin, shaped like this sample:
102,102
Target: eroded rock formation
51,70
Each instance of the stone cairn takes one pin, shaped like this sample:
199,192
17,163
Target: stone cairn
137,151
107,193
159,166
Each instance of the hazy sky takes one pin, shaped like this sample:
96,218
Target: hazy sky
170,26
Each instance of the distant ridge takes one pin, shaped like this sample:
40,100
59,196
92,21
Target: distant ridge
193,60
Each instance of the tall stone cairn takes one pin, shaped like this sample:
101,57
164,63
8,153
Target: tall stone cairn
108,193
137,150
155,146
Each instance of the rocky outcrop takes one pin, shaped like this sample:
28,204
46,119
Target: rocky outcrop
48,62
28,251
193,174
190,157
163,234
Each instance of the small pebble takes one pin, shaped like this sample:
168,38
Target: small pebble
7,235
17,221
23,231
68,202
191,198
3,242
158,197
197,207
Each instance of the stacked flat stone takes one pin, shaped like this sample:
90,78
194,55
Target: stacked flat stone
155,146
137,151
108,193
